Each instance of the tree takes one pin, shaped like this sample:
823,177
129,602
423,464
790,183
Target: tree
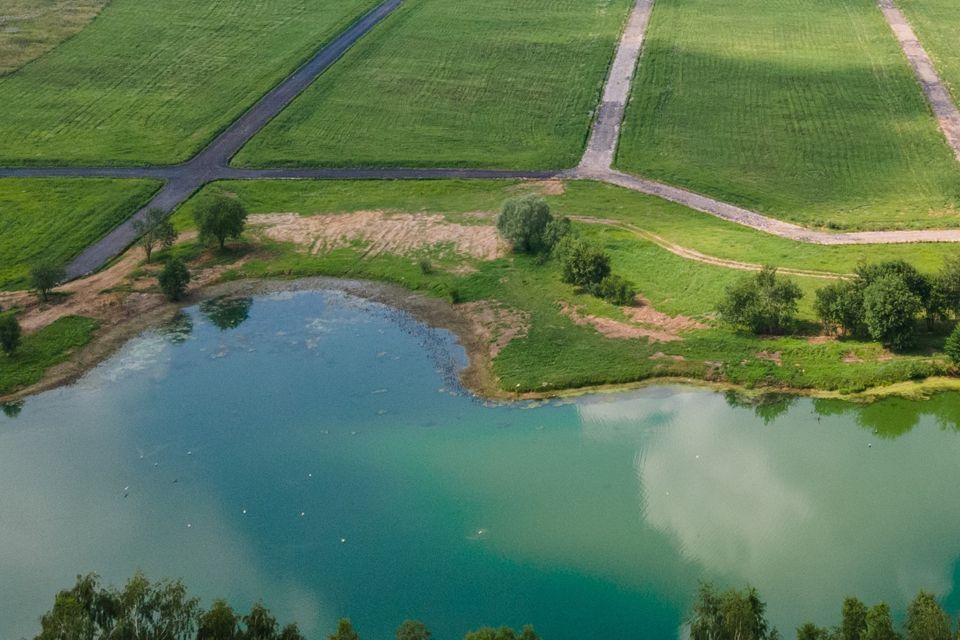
220,218
154,230
890,309
260,625
730,614
880,624
503,633
616,290
947,285
527,224
45,276
810,631
952,347
413,630
291,632
853,620
583,263
9,333
174,279
840,306
219,623
761,303
926,620
344,631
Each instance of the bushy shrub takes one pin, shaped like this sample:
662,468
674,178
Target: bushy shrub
952,347
527,224
890,309
174,279
761,303
584,264
840,306
616,290
9,333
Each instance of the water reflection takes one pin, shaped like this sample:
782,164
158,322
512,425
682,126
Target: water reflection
11,409
226,312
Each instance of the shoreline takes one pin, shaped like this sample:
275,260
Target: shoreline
477,377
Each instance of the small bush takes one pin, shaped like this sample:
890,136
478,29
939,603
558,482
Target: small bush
952,347
9,333
174,279
762,303
583,263
616,290
426,267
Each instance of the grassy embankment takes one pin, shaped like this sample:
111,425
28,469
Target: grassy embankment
150,83
43,349
805,110
497,83
30,28
56,218
935,23
557,353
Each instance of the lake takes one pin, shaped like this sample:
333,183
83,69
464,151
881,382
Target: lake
315,450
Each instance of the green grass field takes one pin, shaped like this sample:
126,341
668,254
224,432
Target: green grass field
465,83
55,219
42,349
150,83
802,109
935,23
30,28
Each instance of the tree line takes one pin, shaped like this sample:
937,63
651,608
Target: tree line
145,610
741,615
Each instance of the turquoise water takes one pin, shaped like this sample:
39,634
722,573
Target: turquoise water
319,454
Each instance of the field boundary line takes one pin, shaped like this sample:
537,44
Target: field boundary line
938,96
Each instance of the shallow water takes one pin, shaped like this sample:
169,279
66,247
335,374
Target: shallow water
319,454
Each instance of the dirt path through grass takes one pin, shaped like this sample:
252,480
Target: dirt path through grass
937,93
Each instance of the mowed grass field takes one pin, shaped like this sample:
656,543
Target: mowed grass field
805,110
30,28
456,83
152,82
55,219
937,24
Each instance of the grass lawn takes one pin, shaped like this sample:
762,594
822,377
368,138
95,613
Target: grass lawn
42,349
936,22
151,82
558,353
29,28
56,218
805,110
458,83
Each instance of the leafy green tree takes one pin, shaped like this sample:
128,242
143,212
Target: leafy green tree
259,624
154,230
810,631
45,276
616,290
952,346
219,623
413,630
527,224
584,264
220,218
840,306
10,334
853,619
344,631
729,614
890,309
880,624
761,303
947,285
291,632
174,279
926,619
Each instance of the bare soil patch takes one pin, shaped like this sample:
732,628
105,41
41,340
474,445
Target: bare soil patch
496,323
645,322
852,358
775,357
400,233
660,355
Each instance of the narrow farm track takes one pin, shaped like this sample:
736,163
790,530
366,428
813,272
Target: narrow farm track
211,164
933,87
697,256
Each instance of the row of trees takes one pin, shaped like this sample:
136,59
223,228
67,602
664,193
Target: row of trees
741,615
882,302
529,226
143,610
